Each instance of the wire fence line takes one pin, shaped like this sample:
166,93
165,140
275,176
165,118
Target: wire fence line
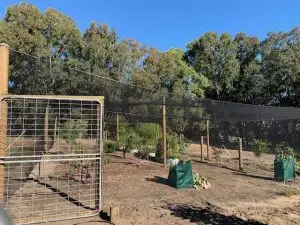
132,120
186,113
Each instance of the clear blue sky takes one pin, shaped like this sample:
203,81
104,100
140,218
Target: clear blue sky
165,24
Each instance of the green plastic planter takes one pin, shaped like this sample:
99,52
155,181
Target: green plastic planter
181,175
285,169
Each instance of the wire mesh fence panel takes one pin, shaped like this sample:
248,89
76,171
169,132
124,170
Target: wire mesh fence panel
52,157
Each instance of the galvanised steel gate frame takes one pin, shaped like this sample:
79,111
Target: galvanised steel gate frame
51,157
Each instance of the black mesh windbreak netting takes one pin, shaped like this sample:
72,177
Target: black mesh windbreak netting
186,114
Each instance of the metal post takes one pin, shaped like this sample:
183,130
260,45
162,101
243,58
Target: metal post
118,135
202,148
164,133
4,62
207,139
241,154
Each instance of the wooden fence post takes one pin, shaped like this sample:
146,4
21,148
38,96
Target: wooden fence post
55,129
4,62
164,133
241,154
118,128
207,139
202,153
46,129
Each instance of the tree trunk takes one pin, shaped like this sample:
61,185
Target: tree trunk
124,154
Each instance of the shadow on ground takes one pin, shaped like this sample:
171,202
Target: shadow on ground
58,192
159,180
212,164
236,171
254,176
206,216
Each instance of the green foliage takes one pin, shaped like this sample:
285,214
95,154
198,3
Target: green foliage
142,136
260,147
147,136
215,58
128,138
175,145
73,129
200,181
240,69
109,147
283,151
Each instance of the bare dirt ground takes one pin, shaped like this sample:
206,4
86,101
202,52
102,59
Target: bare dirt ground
251,197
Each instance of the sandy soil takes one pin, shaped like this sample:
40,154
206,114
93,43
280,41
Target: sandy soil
249,197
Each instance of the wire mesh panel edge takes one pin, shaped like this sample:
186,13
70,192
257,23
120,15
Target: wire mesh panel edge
52,157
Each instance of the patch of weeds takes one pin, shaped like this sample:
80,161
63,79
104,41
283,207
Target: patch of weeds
288,192
260,147
298,167
218,156
106,159
200,181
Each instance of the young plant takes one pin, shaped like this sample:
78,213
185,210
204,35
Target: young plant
147,133
260,147
218,155
128,140
109,147
175,145
200,182
283,151
73,129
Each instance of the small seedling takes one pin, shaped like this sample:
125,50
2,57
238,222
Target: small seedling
200,182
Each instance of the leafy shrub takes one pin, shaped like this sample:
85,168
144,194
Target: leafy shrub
200,181
218,155
147,137
283,151
142,136
297,156
175,145
260,147
109,147
73,129
128,139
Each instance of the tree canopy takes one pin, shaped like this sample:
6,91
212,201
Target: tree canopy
241,69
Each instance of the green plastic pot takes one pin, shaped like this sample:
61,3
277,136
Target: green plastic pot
285,169
181,175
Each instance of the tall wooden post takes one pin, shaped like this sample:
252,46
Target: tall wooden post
207,139
55,129
4,62
98,174
202,153
46,135
46,129
164,133
241,154
118,128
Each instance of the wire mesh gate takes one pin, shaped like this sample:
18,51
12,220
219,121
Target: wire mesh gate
52,157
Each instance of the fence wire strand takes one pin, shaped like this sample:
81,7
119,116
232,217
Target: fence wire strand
129,109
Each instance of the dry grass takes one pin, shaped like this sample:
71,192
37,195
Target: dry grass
288,192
